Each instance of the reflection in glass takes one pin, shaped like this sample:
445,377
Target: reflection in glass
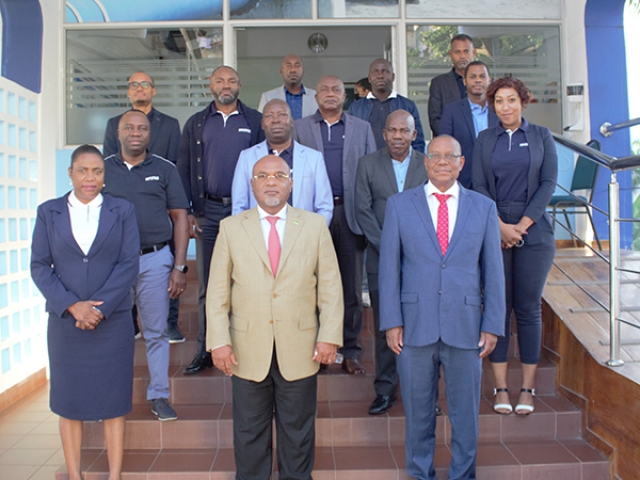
530,53
357,8
274,9
547,9
99,62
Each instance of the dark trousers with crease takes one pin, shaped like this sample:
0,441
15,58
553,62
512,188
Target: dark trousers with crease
254,406
350,252
386,381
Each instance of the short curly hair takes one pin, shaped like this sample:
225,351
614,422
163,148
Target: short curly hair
509,82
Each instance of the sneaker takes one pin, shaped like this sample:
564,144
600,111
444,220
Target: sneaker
161,408
174,334
366,301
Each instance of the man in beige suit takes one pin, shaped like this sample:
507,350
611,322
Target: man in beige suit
274,313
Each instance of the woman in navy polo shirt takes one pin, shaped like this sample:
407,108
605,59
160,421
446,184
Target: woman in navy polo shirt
515,164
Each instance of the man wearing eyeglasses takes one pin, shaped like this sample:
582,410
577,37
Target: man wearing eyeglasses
442,304
163,142
381,174
311,187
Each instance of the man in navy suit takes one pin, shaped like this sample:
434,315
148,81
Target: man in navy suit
466,118
442,303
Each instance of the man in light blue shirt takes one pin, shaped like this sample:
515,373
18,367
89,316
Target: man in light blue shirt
465,119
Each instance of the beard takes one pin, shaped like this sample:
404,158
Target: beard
272,201
227,99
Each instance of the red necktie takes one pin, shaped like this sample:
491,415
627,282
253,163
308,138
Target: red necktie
442,232
274,245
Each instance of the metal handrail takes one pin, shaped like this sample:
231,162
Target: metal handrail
614,165
606,129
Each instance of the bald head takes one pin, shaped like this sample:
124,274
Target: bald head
271,184
400,116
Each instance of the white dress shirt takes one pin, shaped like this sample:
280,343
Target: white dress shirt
452,203
266,225
85,219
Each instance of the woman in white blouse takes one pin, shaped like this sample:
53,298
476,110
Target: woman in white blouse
84,260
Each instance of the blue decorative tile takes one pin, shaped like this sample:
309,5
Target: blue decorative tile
17,353
25,285
3,230
4,328
12,134
3,263
26,319
15,292
24,230
33,141
16,326
33,200
33,115
22,198
2,165
22,138
2,198
22,168
13,230
3,134
13,166
22,108
13,263
2,100
33,170
6,360
27,348
4,299
12,197
11,102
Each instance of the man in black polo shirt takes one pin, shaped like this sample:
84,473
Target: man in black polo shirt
211,142
153,185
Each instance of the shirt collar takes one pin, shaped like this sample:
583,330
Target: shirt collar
302,92
214,110
454,191
318,118
282,214
524,127
456,74
477,108
75,202
393,94
406,159
289,149
118,158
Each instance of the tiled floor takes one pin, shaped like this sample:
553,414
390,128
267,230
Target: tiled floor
30,446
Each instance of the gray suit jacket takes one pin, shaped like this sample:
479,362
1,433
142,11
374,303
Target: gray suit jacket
358,142
443,89
309,105
375,183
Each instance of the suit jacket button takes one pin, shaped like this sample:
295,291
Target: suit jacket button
444,265
198,142
271,322
439,292
275,295
85,260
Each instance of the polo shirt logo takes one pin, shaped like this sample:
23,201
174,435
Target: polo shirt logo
244,130
152,178
524,144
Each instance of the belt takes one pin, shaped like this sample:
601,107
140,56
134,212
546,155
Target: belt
153,248
223,200
338,201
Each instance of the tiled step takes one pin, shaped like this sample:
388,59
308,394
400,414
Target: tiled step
338,424
566,460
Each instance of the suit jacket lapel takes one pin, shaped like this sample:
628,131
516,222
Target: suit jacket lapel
461,219
420,201
298,171
251,224
155,129
106,222
348,132
294,226
62,224
416,161
317,135
387,166
468,118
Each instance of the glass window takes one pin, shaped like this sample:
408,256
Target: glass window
99,63
465,9
272,9
530,53
357,8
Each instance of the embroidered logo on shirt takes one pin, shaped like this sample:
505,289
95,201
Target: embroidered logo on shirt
244,130
152,178
524,144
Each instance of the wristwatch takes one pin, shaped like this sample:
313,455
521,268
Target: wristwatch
181,268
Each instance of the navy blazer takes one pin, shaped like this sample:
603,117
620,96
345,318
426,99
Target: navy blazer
457,121
164,141
358,142
65,275
454,297
543,169
443,90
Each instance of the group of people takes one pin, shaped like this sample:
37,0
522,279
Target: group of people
283,204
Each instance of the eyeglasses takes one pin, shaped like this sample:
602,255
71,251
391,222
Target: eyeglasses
136,85
281,177
449,157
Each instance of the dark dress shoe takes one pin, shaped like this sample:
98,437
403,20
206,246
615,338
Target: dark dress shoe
353,366
381,404
438,410
202,361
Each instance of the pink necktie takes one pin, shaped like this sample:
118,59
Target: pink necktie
442,232
274,245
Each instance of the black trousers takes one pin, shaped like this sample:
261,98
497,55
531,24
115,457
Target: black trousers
350,252
386,382
254,405
214,213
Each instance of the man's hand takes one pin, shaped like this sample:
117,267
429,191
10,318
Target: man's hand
177,283
394,339
223,359
87,317
487,343
194,227
325,353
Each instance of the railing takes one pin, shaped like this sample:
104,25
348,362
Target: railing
614,165
606,129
